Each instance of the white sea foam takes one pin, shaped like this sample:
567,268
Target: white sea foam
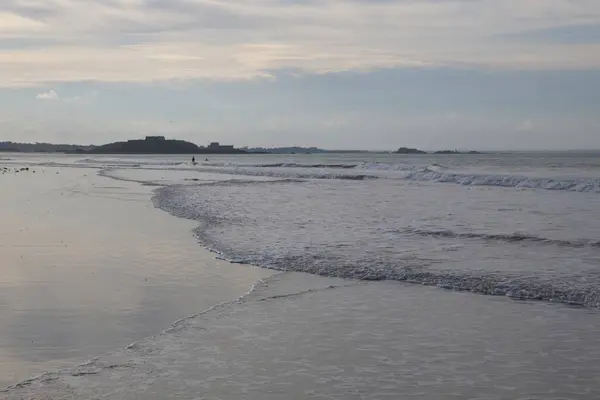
485,238
432,173
575,185
424,169
328,229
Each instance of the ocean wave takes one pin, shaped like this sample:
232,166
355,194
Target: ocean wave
564,184
442,174
296,165
371,170
292,173
129,163
380,166
522,288
435,173
221,164
227,234
278,173
509,237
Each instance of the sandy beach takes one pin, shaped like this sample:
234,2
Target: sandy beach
89,265
104,296
299,336
299,200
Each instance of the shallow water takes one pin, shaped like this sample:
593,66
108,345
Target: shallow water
522,236
517,225
89,265
520,224
296,337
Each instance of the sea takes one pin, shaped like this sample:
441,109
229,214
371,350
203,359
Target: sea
385,276
520,225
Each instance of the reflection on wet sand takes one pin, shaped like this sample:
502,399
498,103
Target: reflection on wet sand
89,265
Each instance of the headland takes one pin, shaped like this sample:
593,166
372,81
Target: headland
409,150
148,145
161,145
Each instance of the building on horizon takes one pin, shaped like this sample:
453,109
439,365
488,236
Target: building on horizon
215,146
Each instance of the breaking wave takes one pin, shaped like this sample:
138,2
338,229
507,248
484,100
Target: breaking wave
509,238
352,262
119,162
573,185
522,288
367,170
379,166
431,173
291,173
295,165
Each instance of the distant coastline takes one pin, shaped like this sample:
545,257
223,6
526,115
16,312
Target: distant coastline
408,150
149,145
157,145
161,145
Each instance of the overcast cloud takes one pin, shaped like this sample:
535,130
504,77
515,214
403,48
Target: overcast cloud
182,48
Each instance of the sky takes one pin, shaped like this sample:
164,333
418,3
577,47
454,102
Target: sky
377,74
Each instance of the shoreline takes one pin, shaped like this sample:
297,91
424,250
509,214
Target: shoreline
312,336
171,328
59,267
492,284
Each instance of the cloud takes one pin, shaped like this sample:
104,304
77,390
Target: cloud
160,40
49,95
15,24
83,98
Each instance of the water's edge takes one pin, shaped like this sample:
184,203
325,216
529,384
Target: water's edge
485,284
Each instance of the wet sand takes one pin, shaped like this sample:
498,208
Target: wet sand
89,265
304,337
293,336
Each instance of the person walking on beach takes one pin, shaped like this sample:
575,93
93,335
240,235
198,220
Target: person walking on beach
193,160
